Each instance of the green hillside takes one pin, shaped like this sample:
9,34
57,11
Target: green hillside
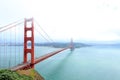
30,74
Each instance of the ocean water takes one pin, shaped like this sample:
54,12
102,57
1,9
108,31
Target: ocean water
86,63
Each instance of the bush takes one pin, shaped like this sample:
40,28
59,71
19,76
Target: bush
11,75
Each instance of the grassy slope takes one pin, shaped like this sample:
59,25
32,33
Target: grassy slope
30,74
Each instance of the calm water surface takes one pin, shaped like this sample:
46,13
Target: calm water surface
88,63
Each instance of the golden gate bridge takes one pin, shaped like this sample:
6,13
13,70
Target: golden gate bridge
22,34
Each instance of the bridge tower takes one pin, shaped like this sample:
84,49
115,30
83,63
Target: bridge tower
29,40
72,45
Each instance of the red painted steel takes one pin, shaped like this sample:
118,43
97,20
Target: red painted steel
31,39
37,60
28,64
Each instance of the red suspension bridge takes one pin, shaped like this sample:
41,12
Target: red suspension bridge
16,41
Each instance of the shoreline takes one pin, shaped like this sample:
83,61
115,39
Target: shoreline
29,74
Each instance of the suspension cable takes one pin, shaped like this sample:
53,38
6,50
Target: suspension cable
44,31
42,35
10,24
5,48
2,30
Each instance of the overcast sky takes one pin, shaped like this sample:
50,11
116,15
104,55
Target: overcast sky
82,20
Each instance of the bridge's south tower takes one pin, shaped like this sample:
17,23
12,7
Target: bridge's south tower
29,40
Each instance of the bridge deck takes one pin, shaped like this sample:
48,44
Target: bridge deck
37,60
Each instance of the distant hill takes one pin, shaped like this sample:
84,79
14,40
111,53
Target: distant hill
55,44
62,45
103,44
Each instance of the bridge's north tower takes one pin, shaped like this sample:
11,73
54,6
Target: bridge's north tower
72,45
29,40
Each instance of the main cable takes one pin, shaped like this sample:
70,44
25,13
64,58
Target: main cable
2,30
44,31
42,35
10,24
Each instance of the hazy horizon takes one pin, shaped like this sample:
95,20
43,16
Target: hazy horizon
82,20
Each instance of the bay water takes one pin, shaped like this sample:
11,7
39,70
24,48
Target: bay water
86,63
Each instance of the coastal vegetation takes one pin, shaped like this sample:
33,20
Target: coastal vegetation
29,74
11,75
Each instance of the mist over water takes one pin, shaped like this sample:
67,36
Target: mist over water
86,63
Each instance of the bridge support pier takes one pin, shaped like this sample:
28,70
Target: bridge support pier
29,40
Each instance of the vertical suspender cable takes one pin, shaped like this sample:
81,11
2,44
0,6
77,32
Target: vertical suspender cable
0,50
15,45
10,45
19,45
18,35
4,46
12,48
6,59
4,50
